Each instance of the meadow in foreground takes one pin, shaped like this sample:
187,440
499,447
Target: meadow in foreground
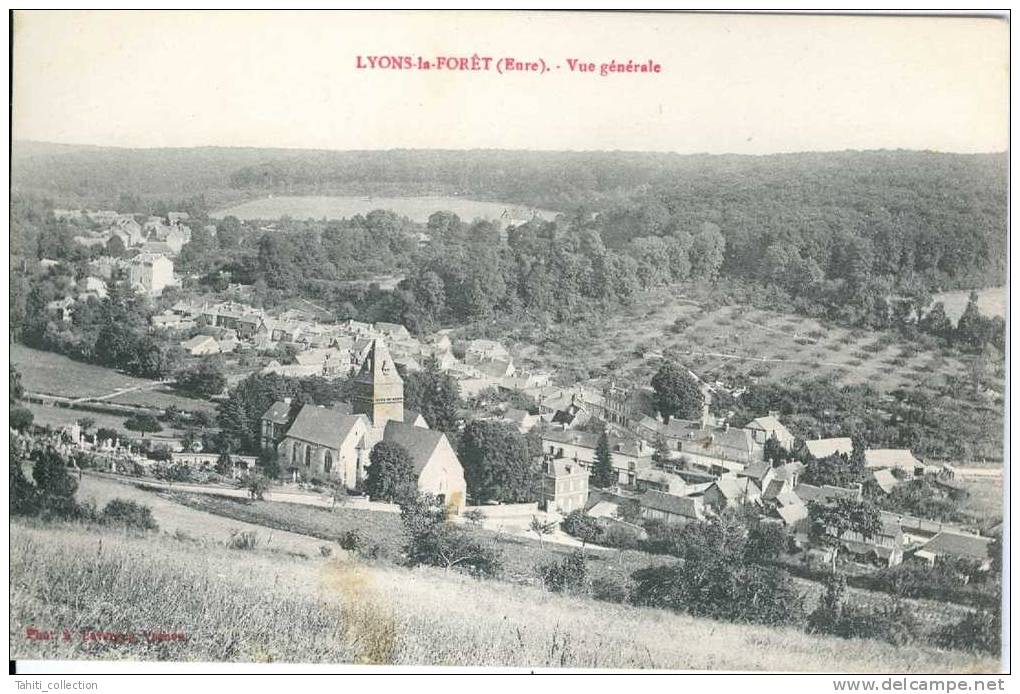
259,606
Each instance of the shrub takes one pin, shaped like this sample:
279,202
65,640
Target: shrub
433,541
567,576
582,526
128,514
978,631
243,539
351,541
620,536
325,550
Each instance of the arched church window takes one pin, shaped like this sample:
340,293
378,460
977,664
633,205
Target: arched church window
308,456
295,453
327,461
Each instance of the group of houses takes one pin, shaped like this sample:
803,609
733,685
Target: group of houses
159,235
322,347
681,471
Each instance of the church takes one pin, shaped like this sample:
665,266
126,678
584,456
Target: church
335,442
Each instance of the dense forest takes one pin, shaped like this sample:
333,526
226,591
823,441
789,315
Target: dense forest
861,238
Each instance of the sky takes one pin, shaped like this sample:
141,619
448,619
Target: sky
727,83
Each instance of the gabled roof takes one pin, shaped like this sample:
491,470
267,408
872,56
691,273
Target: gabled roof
420,443
885,480
688,507
958,545
792,513
774,488
277,412
733,489
770,425
823,448
324,426
757,470
890,457
197,341
825,493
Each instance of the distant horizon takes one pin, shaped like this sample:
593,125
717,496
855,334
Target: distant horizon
86,145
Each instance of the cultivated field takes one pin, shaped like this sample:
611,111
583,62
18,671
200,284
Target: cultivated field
417,209
253,606
735,342
54,374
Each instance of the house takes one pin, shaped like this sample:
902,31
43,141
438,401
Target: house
893,457
604,509
160,248
713,449
93,286
521,419
823,448
730,492
885,547
764,428
573,416
957,546
485,349
628,456
791,513
336,443
107,267
660,481
201,345
761,471
564,486
669,508
150,273
171,321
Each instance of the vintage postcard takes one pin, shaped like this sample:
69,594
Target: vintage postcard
517,340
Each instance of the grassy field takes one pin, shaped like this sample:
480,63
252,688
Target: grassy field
991,302
254,606
54,374
521,555
417,209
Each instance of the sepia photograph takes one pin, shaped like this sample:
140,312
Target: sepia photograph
509,341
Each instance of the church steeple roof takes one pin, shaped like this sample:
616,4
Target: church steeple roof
378,367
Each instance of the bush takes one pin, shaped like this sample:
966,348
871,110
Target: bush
620,536
351,541
582,526
20,418
567,576
719,589
979,631
433,541
243,539
128,514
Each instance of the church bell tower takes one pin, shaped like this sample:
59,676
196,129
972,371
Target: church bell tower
378,388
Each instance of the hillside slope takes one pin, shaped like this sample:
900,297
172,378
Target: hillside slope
259,605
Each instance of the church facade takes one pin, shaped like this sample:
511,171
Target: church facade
335,443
